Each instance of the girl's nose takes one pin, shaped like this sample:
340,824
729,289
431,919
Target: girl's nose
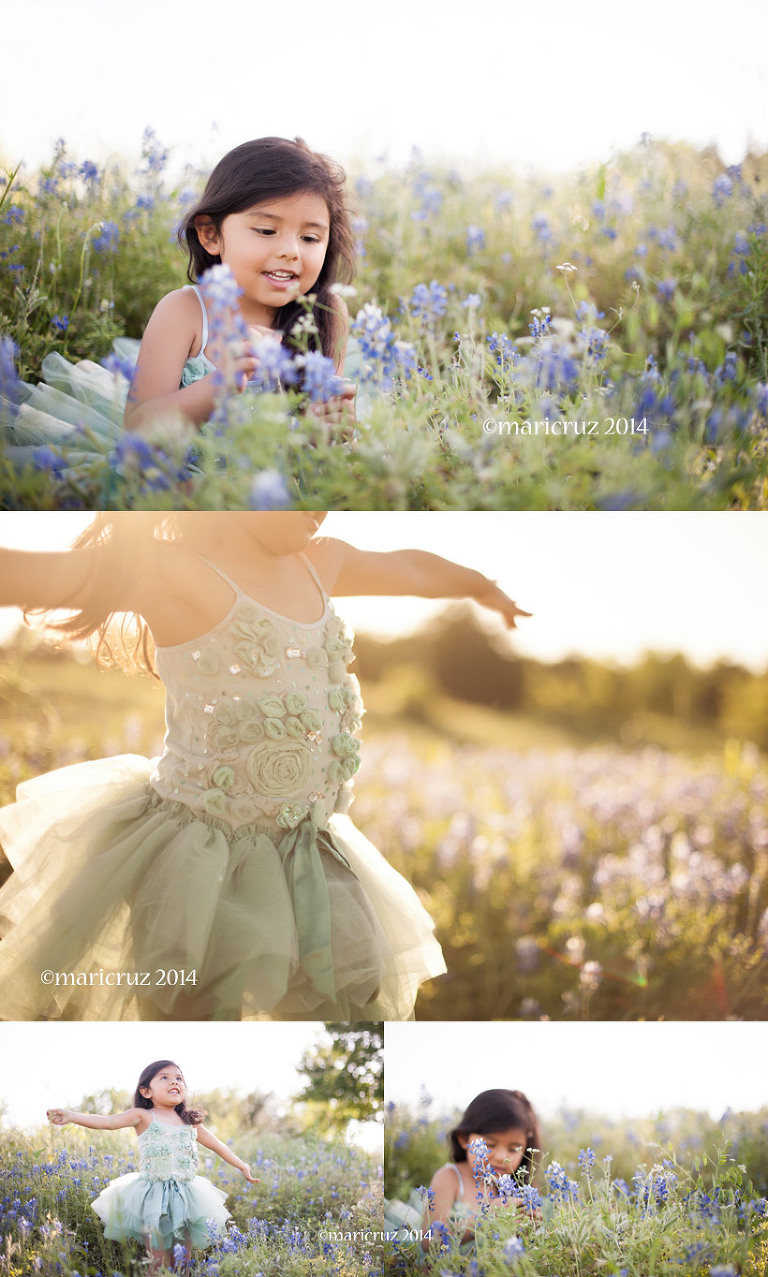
288,249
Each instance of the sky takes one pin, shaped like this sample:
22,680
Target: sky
609,585
617,1070
548,87
54,1065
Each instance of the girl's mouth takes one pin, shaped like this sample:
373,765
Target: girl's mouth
280,278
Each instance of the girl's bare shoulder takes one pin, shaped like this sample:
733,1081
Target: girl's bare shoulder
445,1179
177,317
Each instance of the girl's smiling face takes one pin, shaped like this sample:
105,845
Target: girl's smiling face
167,1088
275,250
506,1150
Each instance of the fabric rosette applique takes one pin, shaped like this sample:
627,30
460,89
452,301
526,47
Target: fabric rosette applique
236,722
288,715
335,654
278,769
257,641
347,758
345,701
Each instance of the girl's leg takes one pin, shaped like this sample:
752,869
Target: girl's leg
159,1259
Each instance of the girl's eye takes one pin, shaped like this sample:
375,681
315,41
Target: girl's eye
264,230
311,239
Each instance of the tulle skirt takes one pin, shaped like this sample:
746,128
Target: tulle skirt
126,906
77,409
161,1212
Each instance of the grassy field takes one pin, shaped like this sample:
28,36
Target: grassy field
620,312
567,879
614,1200
48,1180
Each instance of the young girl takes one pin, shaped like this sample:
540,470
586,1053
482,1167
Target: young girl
222,880
274,212
497,1136
165,1204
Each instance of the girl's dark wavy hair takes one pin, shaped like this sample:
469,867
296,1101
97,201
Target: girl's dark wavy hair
500,1110
271,168
126,542
191,1116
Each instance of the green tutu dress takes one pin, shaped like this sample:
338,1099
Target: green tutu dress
164,1203
223,880
77,409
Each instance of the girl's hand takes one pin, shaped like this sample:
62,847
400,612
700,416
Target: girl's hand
261,330
338,411
246,1171
495,598
59,1117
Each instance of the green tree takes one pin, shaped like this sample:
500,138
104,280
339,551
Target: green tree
345,1072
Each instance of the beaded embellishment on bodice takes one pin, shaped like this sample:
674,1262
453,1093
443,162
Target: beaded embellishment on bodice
260,716
168,1152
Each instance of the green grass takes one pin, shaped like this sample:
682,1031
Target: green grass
661,321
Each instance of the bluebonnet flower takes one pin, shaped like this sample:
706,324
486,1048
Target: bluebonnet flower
512,1250
722,189
560,1186
220,288
540,325
10,384
269,492
641,250
668,239
586,1159
276,368
666,289
378,344
587,311
13,215
428,302
359,226
728,368
528,954
542,228
108,237
155,157
319,377
505,351
472,301
60,323
89,171
475,238
120,367
594,342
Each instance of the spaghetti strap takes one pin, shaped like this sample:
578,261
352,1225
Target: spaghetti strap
454,1167
220,572
314,575
204,339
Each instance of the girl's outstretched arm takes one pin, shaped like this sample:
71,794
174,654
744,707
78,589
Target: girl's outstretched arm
209,1141
346,570
96,1121
56,580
